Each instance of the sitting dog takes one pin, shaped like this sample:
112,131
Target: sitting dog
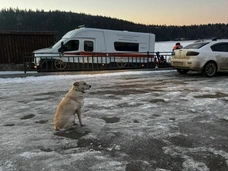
71,104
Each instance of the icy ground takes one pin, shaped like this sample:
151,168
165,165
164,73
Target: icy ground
135,121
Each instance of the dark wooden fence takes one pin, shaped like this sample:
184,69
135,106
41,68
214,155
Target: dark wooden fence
15,43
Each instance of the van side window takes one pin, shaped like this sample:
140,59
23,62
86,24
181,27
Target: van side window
88,46
220,47
124,46
72,45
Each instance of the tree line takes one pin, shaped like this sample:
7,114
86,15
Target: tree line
61,22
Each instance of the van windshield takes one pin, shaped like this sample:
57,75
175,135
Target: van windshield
58,44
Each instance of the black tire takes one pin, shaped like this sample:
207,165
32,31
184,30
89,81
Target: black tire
46,66
210,69
182,71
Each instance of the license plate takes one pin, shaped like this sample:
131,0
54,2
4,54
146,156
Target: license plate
178,63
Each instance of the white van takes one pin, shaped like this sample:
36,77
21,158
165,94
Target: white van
81,45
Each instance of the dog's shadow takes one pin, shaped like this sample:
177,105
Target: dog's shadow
73,133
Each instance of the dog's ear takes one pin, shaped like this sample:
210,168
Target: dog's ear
76,84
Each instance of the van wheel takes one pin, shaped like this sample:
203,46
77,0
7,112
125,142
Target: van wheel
45,65
182,71
210,69
121,64
60,64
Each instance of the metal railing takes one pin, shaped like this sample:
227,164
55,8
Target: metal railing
93,62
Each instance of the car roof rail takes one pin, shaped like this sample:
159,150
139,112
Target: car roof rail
199,40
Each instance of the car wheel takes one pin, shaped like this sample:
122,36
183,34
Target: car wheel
210,69
182,71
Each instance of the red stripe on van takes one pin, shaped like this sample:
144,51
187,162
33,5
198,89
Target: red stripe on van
101,54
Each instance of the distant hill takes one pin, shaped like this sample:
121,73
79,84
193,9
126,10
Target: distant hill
61,22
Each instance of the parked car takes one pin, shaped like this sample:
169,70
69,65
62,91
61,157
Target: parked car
205,56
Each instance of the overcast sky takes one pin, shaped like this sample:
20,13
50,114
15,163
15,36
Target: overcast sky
161,12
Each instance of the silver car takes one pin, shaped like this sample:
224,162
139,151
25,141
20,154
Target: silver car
206,56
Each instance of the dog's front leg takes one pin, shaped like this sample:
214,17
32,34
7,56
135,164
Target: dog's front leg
79,113
74,123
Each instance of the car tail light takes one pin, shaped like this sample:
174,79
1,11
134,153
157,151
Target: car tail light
191,53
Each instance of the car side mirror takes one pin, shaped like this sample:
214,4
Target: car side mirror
62,48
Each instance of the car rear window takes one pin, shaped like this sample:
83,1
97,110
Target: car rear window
195,45
220,47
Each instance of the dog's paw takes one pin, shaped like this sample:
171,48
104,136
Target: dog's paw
55,128
74,123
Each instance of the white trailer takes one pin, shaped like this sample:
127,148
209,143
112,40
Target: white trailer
106,45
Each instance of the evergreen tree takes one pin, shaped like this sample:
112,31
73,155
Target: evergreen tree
61,22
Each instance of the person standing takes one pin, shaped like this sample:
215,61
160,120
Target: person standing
177,46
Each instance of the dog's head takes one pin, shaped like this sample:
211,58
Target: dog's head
81,86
